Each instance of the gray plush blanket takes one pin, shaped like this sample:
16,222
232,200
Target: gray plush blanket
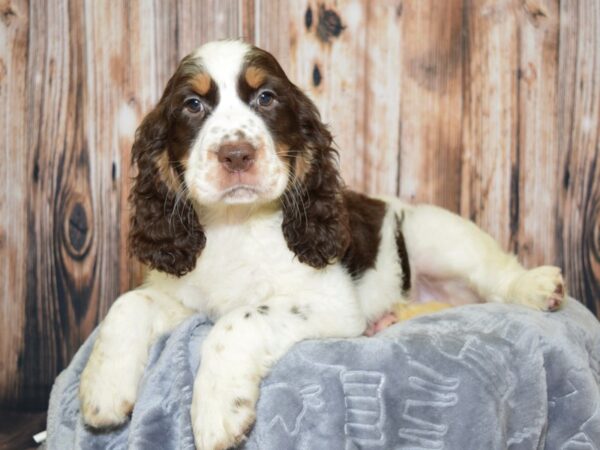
475,377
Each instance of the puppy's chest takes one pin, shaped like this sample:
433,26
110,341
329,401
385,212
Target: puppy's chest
241,264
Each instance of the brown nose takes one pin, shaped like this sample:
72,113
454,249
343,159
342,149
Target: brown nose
236,156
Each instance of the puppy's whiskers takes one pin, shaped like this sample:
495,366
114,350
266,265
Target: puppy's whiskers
295,195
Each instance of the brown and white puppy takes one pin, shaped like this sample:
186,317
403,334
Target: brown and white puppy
240,213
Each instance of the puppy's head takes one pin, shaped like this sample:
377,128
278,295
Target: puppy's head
231,129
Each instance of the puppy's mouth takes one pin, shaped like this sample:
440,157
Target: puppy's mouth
241,193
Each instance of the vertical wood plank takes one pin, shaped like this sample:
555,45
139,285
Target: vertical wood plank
328,62
489,138
59,212
534,184
274,29
138,93
14,30
113,93
200,22
247,15
167,52
431,102
579,141
382,91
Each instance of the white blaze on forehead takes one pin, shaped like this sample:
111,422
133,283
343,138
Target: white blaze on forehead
223,60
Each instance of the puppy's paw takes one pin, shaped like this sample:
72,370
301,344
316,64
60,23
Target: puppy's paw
541,288
221,420
106,398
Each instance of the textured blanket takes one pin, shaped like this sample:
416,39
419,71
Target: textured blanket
475,377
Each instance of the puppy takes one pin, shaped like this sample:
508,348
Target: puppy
240,213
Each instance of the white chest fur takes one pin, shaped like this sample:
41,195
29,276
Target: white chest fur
243,263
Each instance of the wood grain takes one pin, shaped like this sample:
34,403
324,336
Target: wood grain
274,29
378,153
431,102
489,108
16,179
579,146
328,62
489,136
535,186
63,239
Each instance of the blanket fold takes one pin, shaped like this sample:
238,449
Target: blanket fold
487,376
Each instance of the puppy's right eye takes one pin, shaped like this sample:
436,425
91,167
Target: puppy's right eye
265,98
193,105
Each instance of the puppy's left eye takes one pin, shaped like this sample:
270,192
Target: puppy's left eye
265,98
194,105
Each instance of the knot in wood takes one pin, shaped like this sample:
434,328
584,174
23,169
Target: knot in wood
330,24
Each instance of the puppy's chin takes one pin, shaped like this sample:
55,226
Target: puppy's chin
241,195
211,194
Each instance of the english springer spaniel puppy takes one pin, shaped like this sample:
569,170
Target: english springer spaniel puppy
240,213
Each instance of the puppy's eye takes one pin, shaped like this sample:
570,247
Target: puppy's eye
193,105
265,98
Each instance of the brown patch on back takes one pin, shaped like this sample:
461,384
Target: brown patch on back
366,218
201,83
255,76
402,254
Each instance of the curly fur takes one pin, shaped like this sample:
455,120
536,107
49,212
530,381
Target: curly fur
320,234
165,232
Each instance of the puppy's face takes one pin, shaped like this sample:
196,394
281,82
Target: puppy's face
231,129
233,133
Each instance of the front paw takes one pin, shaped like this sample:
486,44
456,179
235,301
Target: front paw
106,398
220,417
541,288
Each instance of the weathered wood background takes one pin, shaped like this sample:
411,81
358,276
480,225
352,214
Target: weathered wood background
489,108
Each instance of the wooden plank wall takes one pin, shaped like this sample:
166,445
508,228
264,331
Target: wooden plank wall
489,108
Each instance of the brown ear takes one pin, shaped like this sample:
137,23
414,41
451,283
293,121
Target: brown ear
315,220
165,232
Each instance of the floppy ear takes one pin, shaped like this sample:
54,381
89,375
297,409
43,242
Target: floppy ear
315,219
165,232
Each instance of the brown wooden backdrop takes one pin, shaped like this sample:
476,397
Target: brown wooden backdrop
489,108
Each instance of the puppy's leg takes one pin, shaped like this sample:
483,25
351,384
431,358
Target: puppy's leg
109,382
445,246
238,353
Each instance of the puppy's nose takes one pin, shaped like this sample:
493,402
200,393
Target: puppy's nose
236,156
